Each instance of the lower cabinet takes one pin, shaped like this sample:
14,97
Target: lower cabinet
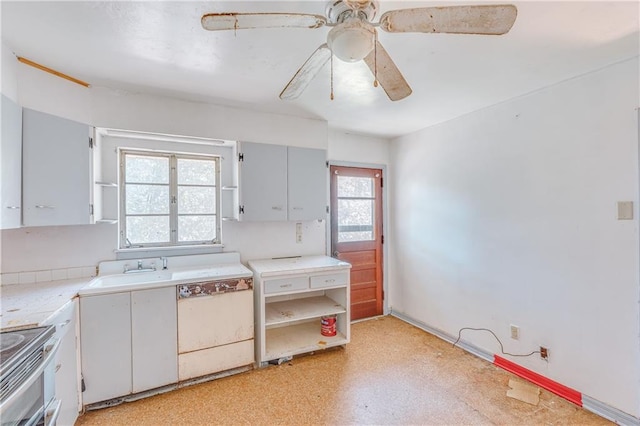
129,342
66,362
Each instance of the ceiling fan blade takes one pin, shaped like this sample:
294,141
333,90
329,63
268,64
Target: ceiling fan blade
480,19
242,21
306,73
387,73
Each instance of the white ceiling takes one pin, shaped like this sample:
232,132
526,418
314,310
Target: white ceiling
160,48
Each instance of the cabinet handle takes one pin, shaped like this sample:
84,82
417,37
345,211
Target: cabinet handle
40,206
330,281
63,324
298,208
13,207
276,208
286,285
58,367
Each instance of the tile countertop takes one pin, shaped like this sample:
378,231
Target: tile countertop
297,265
30,305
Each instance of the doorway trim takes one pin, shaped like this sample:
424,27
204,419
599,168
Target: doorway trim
385,222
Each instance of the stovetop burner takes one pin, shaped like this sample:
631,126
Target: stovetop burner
13,343
10,341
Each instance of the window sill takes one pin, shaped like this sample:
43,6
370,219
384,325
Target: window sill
138,252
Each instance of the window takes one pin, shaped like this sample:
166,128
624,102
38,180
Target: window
168,199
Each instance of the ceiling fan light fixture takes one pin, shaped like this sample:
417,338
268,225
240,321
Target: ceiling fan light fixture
351,40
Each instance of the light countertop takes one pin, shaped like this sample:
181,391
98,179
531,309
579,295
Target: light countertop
297,265
30,305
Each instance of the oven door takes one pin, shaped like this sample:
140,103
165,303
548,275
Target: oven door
27,404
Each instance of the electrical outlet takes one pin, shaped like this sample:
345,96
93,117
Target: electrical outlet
298,233
515,332
544,352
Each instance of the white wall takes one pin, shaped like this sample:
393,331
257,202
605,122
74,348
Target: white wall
8,70
350,147
508,216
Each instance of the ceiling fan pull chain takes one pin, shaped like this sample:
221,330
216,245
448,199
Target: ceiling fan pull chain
332,76
375,61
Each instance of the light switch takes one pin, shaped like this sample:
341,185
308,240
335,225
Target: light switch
625,210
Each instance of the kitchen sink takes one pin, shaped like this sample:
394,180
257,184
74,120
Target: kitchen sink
185,271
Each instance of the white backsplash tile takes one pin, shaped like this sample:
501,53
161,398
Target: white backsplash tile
27,277
74,273
11,278
59,274
43,276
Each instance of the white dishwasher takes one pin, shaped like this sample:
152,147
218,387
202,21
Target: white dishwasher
215,325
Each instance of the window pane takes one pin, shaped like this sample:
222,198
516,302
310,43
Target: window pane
148,229
196,172
196,228
355,220
147,199
355,186
143,169
194,199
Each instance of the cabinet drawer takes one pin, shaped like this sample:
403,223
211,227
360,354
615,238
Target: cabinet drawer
330,280
286,284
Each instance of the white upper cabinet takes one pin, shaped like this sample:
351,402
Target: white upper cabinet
56,169
263,182
11,147
282,183
306,183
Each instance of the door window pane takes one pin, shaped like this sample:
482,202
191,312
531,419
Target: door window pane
147,199
196,200
143,169
148,229
196,228
355,187
355,220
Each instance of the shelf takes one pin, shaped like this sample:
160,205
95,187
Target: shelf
298,339
107,184
109,221
229,188
301,309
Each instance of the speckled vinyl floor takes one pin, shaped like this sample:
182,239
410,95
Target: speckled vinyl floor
391,373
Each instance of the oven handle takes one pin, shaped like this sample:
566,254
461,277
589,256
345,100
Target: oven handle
50,351
51,414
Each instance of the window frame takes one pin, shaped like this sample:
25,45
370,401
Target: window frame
173,198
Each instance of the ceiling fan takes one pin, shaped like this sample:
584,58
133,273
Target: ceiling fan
354,36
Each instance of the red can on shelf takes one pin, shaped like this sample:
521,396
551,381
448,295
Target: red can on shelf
328,325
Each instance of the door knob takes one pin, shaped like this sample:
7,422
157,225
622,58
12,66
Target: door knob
336,253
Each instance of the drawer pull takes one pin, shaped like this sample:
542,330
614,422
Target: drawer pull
40,206
13,207
286,285
278,208
64,324
330,281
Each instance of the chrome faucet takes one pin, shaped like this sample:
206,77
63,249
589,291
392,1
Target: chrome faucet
140,268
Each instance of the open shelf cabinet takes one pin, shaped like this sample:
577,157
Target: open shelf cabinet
288,322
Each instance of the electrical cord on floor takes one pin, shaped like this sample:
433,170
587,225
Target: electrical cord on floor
494,335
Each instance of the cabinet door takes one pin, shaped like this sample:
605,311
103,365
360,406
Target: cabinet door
11,146
67,364
307,183
56,170
263,182
154,338
105,338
